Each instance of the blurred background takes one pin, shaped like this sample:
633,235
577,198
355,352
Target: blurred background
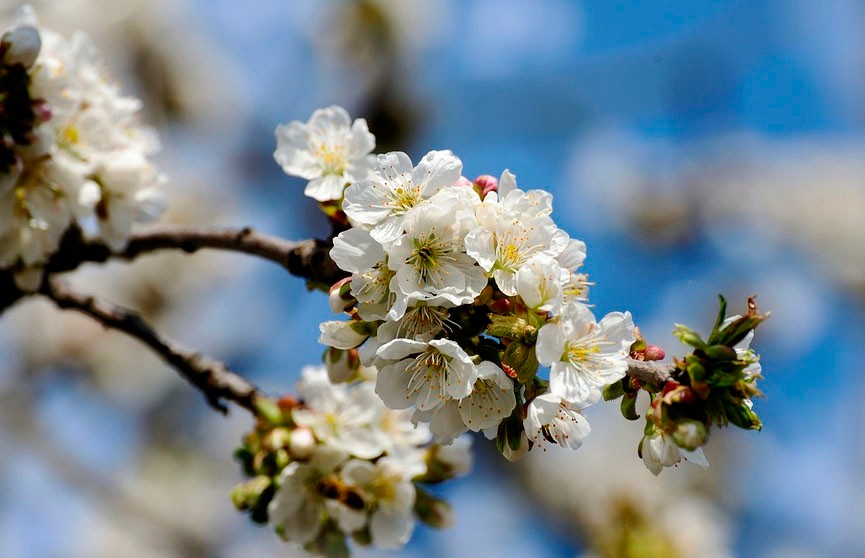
697,146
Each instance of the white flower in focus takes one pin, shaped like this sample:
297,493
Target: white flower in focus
658,450
584,356
430,260
445,421
382,202
387,484
342,417
551,419
420,322
438,371
508,236
540,284
330,151
355,251
491,400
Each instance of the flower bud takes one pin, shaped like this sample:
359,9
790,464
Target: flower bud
21,46
654,352
690,434
340,298
341,364
484,184
433,511
463,182
246,495
301,443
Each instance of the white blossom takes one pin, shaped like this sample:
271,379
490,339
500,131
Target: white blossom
658,450
388,484
341,334
540,283
330,151
341,417
551,419
584,356
438,371
430,260
382,202
491,400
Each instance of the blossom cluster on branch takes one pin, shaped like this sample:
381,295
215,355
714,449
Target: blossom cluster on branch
464,306
72,151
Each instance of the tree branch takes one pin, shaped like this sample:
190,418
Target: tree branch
210,376
651,372
308,259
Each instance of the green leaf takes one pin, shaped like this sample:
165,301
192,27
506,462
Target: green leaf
628,406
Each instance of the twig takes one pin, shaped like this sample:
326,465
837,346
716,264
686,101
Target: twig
651,372
210,376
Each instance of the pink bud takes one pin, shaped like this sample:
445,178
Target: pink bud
654,352
42,110
485,184
463,181
501,306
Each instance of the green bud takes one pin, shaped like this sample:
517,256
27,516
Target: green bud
433,511
743,417
720,353
281,458
267,409
246,495
510,327
522,359
690,434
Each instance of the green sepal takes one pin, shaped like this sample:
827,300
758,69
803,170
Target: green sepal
614,390
722,315
688,336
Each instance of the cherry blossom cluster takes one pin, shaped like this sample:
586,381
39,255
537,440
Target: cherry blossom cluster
459,291
336,463
73,155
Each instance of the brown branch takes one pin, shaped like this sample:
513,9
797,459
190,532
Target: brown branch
210,376
651,372
308,259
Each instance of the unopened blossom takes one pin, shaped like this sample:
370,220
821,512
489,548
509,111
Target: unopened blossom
424,374
584,356
341,334
540,283
329,150
658,450
551,419
382,202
